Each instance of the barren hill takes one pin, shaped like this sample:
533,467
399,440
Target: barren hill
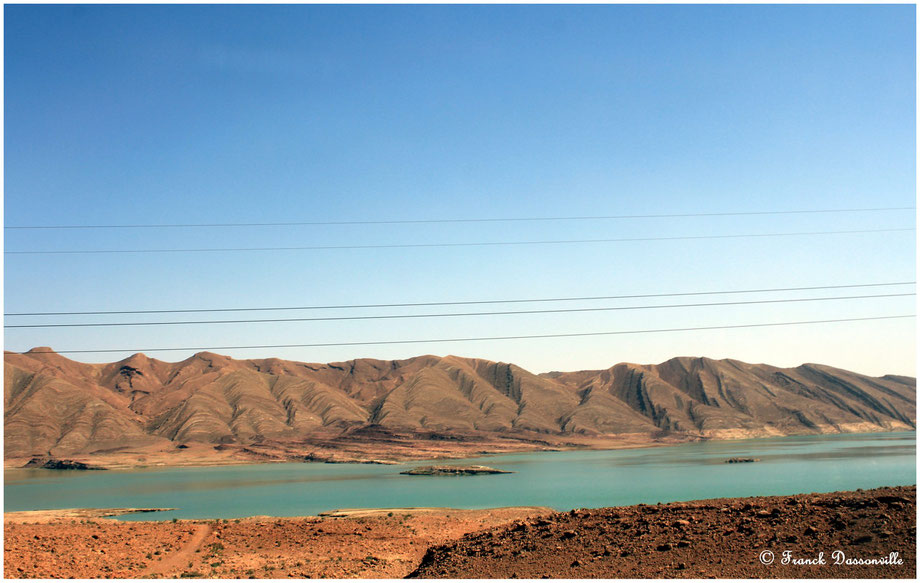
279,409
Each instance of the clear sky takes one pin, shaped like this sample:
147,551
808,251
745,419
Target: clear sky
225,114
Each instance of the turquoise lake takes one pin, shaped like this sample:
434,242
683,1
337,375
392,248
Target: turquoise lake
561,480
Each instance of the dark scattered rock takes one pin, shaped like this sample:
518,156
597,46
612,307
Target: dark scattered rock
741,460
661,541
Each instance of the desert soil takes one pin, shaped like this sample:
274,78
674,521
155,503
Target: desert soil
712,538
344,544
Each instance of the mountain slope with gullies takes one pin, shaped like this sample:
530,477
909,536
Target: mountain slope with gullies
446,406
729,398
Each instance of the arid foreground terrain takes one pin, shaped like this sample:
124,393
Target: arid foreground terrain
711,538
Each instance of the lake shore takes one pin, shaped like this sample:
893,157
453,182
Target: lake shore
389,447
710,538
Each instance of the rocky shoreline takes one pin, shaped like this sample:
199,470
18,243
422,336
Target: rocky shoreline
874,530
50,463
38,516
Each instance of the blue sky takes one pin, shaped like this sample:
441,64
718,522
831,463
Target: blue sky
226,114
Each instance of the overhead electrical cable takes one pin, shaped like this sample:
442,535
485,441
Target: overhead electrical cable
476,339
461,303
443,245
457,314
469,220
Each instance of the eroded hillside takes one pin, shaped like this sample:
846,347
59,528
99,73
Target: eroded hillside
55,406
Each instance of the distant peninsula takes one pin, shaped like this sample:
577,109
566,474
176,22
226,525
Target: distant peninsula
56,464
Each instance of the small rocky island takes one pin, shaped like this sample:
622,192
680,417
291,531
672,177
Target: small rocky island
741,460
453,471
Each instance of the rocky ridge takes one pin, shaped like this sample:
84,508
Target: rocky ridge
875,530
56,407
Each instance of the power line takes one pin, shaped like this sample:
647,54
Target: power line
433,245
471,220
444,315
476,339
461,303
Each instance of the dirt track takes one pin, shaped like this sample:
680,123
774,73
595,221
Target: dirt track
176,560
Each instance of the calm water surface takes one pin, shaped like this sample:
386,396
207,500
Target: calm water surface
561,480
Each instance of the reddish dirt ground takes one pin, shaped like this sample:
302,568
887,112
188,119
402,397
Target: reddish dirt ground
352,544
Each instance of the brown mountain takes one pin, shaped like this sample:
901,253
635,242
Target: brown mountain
284,410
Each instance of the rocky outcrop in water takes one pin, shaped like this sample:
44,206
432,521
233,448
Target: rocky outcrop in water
453,471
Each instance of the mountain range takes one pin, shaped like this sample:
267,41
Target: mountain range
54,406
